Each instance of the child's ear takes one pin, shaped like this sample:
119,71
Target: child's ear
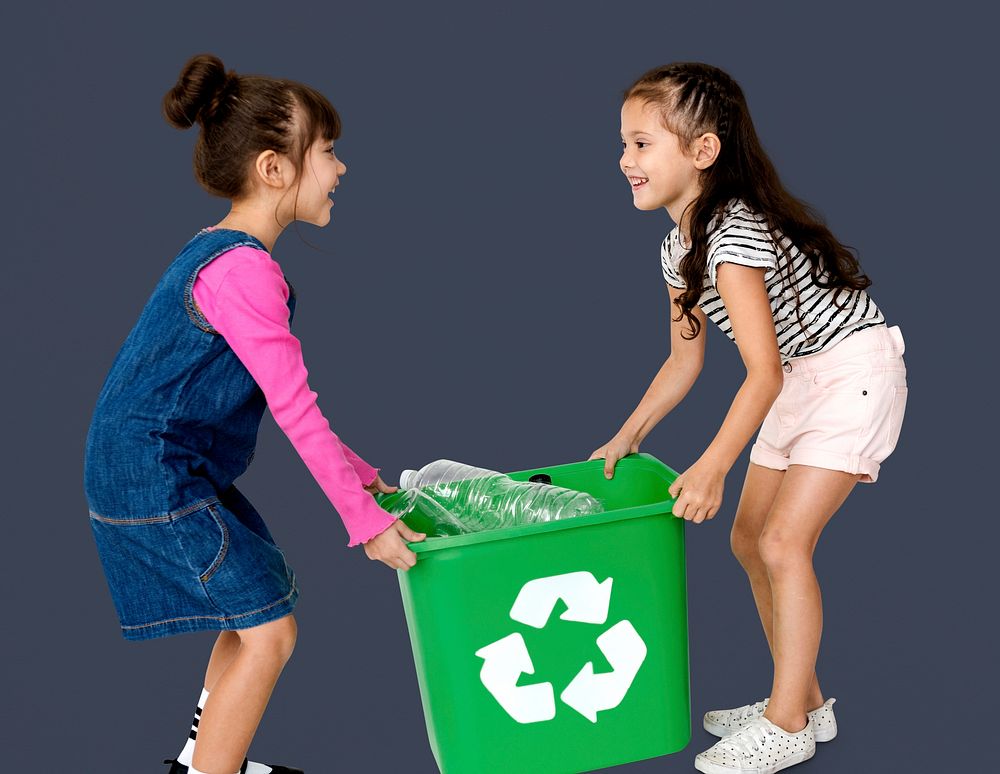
269,169
706,150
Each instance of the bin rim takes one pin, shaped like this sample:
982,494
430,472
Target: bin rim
641,459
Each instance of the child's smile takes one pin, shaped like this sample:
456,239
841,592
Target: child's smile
325,170
659,173
637,182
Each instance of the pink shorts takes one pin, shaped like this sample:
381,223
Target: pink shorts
840,409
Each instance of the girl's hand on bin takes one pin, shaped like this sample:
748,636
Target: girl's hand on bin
389,545
618,447
378,485
698,491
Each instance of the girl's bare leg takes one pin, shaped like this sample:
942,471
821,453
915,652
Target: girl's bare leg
806,500
759,490
223,652
239,694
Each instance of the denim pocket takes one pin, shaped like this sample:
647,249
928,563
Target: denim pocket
204,540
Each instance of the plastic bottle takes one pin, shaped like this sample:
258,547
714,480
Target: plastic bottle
462,498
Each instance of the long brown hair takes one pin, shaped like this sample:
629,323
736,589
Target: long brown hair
240,117
695,98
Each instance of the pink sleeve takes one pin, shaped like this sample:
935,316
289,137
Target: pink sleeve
244,296
209,279
365,472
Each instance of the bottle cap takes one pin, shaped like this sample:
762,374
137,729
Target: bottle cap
541,478
407,479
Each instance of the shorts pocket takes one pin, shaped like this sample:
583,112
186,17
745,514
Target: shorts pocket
896,411
204,540
849,377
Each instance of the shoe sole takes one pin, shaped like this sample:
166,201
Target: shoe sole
720,731
707,767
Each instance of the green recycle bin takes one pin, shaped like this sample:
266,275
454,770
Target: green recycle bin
561,646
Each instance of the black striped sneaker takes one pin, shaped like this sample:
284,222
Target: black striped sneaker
180,768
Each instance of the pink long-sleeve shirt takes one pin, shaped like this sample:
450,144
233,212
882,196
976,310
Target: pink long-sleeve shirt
243,295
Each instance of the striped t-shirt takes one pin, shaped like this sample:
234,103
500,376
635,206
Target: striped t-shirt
742,238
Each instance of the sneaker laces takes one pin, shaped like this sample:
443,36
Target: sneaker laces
753,710
748,739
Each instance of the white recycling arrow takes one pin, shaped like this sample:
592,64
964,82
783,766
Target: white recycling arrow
503,663
588,693
586,599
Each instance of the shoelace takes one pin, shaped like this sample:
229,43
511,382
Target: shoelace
754,710
748,739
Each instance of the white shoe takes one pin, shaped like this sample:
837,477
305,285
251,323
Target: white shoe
760,747
723,722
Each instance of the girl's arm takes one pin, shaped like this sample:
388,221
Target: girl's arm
674,379
365,472
745,297
672,382
244,296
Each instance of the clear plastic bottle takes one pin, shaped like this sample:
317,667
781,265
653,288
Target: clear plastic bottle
474,499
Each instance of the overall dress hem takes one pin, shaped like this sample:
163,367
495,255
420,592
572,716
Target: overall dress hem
212,565
198,623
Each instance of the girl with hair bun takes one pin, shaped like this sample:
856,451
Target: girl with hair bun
176,419
825,379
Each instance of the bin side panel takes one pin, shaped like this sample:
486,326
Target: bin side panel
459,600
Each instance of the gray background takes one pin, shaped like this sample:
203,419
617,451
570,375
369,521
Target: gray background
483,209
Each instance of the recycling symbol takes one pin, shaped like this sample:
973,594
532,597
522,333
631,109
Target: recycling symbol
587,693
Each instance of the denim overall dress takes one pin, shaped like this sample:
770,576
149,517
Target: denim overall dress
175,424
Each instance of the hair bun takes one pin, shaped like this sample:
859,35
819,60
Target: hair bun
198,92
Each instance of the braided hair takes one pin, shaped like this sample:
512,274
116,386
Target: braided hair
695,98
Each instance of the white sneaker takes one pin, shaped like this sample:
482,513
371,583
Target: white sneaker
723,722
760,747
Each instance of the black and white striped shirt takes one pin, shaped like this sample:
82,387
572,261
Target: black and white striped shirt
742,238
